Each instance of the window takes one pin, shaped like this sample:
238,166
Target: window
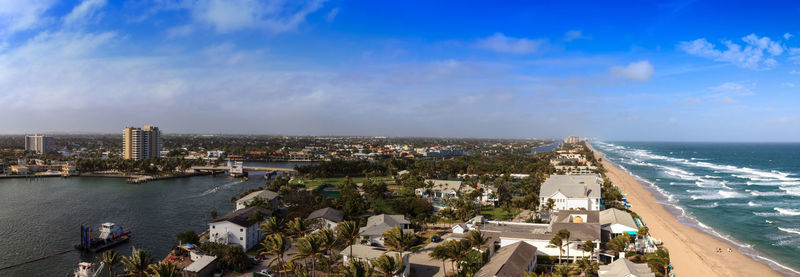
240,238
241,230
213,226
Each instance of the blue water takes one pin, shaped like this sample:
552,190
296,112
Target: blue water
747,193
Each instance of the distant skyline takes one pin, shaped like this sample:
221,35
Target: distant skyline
664,71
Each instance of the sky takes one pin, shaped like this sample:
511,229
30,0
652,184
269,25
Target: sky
638,70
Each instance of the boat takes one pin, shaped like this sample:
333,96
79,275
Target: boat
110,235
86,269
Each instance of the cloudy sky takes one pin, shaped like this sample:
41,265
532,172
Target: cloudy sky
679,70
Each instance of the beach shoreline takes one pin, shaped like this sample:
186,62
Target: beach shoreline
692,251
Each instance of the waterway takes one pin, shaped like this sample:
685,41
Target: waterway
42,217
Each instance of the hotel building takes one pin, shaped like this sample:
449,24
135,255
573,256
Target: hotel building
141,143
39,144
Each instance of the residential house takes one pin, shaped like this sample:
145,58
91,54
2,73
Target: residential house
266,195
575,170
510,261
325,218
239,227
378,224
203,266
582,225
444,189
572,192
625,268
615,222
370,253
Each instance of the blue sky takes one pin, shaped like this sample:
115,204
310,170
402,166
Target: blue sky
672,70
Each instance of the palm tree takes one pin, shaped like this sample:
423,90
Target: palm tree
308,247
477,239
327,242
297,228
564,270
588,246
397,240
357,268
558,243
272,226
588,268
659,258
564,234
163,269
136,264
347,234
618,244
275,246
111,259
440,252
389,266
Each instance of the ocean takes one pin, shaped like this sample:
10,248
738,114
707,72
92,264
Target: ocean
746,193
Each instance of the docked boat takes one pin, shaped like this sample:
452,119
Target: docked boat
87,270
110,235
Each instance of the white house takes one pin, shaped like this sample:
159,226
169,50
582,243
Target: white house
582,225
459,228
239,227
370,253
575,170
378,224
511,260
443,189
325,218
615,222
267,195
572,192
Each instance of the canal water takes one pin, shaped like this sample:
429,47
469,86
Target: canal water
42,217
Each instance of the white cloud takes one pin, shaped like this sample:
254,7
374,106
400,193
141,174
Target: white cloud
787,36
794,72
638,71
501,43
573,35
788,85
734,88
794,55
756,53
83,12
271,16
180,31
332,15
16,16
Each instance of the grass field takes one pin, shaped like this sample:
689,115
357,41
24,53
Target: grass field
312,183
499,214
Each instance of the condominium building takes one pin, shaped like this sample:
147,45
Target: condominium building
141,143
572,139
39,144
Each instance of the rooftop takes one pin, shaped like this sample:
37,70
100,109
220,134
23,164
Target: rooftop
263,194
572,186
509,261
331,214
366,251
243,217
617,216
201,263
625,268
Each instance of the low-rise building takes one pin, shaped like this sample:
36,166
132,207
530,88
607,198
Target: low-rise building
443,189
378,224
625,268
239,227
325,218
615,222
266,195
203,266
510,261
572,192
575,169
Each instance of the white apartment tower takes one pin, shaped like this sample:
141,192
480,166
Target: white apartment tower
39,144
141,143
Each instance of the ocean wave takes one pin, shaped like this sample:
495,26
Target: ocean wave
787,211
767,193
791,190
709,206
790,230
710,195
751,204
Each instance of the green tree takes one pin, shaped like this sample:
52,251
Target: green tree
111,259
272,226
557,242
275,246
309,247
297,228
137,263
163,269
347,234
188,237
564,235
588,246
398,240
357,268
389,266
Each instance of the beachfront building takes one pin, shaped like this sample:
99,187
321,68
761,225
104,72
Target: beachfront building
266,195
625,268
615,222
578,192
370,253
325,218
378,224
582,225
239,227
510,261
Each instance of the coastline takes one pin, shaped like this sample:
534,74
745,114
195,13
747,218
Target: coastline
692,249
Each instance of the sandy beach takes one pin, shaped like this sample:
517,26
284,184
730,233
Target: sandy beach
691,250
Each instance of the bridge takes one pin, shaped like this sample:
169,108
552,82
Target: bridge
244,168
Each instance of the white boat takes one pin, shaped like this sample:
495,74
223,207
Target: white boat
86,269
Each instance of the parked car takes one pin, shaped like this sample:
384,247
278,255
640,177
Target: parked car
436,239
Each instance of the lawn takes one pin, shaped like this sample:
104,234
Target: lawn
315,182
500,214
